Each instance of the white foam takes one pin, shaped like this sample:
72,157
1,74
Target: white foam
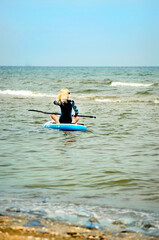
156,101
114,84
25,93
127,100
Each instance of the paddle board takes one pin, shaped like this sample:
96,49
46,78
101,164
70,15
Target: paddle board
65,126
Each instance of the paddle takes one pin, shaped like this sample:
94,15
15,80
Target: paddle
32,110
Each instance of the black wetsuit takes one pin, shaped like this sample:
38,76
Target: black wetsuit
66,111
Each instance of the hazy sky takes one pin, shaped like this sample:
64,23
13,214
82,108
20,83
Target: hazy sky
79,32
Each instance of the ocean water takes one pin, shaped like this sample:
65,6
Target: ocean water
110,172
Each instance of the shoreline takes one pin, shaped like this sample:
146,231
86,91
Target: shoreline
25,228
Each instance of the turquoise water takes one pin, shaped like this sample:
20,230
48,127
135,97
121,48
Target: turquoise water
109,171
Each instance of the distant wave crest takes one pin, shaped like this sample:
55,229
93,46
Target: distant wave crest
115,84
24,93
108,81
127,100
156,101
155,84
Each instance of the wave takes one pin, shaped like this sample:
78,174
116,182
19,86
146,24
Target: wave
128,100
155,84
156,101
25,93
115,84
143,93
108,81
118,99
84,97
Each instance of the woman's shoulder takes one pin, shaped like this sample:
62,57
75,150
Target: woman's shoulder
71,101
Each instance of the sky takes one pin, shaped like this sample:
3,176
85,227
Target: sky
79,33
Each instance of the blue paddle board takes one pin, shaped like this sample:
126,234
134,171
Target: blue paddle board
65,126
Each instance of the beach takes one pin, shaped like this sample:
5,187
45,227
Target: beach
12,228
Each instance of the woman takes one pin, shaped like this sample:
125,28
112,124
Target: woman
66,106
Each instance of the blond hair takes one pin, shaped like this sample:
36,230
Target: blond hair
63,95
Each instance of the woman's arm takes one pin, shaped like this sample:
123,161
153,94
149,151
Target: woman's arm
75,108
57,103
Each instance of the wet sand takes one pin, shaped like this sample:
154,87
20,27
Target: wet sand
17,228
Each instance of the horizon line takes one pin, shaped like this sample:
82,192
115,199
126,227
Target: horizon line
84,66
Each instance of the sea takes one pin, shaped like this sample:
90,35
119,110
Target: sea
106,177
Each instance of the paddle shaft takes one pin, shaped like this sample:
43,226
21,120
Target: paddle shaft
32,110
